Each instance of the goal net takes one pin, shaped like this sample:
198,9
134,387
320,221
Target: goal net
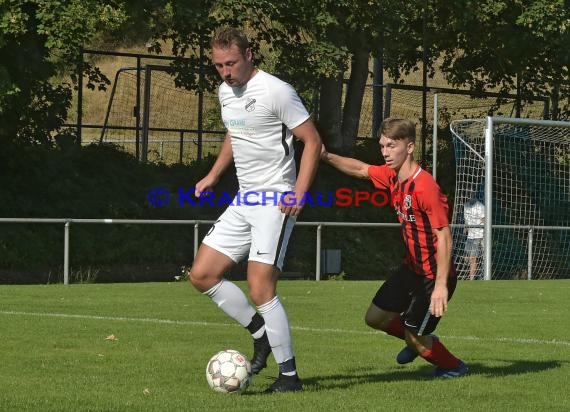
171,124
528,168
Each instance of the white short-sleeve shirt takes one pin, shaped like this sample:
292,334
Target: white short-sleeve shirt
474,214
259,117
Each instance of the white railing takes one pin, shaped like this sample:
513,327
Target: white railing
68,221
196,223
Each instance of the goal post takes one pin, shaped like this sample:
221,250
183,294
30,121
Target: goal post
519,169
149,115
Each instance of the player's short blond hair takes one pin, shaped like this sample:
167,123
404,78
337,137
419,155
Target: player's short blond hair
226,37
397,129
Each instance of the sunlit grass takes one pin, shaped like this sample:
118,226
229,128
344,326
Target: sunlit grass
56,356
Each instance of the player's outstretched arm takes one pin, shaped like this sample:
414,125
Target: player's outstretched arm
224,160
439,295
347,165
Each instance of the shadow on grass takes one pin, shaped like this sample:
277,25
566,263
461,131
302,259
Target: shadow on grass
512,367
354,378
361,376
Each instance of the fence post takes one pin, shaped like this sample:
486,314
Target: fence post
200,102
388,101
181,146
434,142
137,111
80,97
146,112
196,234
318,264
66,254
529,264
377,94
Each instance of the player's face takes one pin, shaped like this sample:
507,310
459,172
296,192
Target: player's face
234,67
395,152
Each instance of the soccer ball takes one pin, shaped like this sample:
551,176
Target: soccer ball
228,371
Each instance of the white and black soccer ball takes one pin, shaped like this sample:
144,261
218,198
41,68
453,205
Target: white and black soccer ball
228,371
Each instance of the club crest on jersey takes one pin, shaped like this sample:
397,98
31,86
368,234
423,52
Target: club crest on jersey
250,105
408,202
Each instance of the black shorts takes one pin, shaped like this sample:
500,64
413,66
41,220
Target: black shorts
410,294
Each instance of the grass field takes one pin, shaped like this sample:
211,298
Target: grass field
56,356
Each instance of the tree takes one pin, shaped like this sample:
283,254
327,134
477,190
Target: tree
515,46
40,40
331,38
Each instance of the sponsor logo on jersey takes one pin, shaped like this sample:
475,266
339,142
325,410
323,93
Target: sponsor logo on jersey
250,105
408,202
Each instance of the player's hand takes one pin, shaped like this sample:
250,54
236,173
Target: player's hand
438,303
291,204
324,153
205,186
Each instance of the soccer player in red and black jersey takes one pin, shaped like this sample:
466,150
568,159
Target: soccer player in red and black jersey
411,302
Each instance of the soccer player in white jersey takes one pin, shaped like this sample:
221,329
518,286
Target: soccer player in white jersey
261,114
473,214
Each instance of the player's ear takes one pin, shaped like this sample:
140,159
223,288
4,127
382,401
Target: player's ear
248,54
411,147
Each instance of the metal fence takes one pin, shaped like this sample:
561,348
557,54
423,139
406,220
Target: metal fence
318,257
67,222
143,103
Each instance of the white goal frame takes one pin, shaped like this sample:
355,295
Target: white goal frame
490,127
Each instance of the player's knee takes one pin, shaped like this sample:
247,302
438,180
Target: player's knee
193,277
373,321
377,318
370,324
198,279
260,296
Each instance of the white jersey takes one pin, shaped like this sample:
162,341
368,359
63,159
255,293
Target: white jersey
259,117
474,214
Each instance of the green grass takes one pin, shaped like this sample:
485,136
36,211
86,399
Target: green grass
55,356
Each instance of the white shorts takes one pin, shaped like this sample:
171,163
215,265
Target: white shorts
261,230
473,247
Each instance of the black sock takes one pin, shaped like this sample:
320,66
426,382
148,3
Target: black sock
257,323
288,368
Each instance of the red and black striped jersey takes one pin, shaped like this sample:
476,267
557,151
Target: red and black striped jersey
421,208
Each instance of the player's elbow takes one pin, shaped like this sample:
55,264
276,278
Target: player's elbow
362,172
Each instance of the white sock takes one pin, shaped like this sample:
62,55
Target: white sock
277,328
232,301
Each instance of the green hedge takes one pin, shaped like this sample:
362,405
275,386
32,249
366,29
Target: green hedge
103,182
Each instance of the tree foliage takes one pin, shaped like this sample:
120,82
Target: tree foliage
313,44
316,45
510,44
39,40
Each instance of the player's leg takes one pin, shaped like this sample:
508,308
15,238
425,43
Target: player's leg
270,235
208,268
472,267
262,280
386,321
223,246
479,255
394,294
206,275
420,324
391,299
262,287
471,254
